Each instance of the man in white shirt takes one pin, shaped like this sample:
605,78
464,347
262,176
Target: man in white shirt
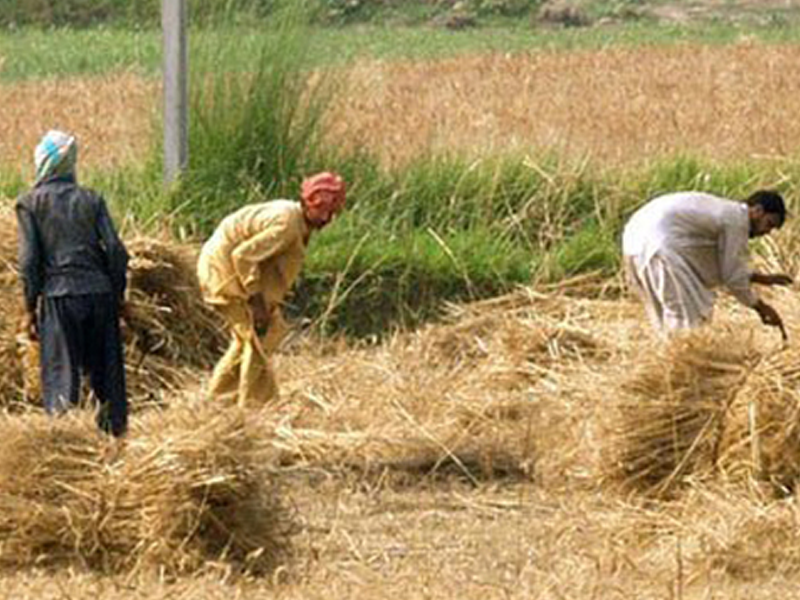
680,246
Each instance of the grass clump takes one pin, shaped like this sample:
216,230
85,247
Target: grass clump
255,130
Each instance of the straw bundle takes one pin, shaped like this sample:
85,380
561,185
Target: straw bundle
168,316
670,415
761,440
189,489
171,332
11,310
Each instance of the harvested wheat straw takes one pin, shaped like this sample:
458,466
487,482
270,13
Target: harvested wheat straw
672,409
467,398
719,400
762,435
190,488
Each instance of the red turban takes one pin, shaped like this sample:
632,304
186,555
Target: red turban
328,182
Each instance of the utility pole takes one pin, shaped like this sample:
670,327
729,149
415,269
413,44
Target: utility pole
176,138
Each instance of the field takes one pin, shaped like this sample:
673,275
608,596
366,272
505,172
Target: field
644,105
531,442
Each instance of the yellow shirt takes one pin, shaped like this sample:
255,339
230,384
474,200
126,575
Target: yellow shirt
257,249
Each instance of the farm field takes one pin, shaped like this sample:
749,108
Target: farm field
534,442
611,108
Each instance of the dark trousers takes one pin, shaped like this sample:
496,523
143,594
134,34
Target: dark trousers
80,335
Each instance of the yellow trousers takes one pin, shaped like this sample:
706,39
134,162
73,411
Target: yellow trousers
244,374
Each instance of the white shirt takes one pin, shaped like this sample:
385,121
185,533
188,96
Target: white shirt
708,233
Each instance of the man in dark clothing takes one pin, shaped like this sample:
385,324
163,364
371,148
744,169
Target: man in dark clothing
73,270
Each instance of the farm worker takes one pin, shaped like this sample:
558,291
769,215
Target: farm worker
73,270
679,246
247,267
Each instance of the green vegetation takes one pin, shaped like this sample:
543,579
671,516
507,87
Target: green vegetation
254,130
443,228
28,53
452,13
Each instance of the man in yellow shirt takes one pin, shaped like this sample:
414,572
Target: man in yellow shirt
247,267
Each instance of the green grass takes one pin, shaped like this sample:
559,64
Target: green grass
417,238
367,281
29,53
443,228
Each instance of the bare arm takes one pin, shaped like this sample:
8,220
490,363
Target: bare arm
771,278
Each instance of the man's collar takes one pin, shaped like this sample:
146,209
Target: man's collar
57,179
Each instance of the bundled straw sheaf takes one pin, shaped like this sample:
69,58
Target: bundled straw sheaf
171,331
189,490
761,440
11,310
719,400
672,408
169,317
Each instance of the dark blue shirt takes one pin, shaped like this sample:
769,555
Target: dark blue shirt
67,243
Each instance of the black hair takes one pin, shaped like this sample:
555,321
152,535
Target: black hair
770,201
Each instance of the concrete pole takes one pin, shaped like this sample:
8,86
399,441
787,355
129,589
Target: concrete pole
176,138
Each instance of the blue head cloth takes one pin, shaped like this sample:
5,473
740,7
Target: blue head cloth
56,155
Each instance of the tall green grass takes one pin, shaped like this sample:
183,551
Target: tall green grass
253,131
451,229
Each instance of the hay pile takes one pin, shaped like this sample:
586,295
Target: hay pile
471,398
191,488
722,400
171,333
761,440
11,310
671,409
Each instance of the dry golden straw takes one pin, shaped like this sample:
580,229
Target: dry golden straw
615,106
190,488
112,116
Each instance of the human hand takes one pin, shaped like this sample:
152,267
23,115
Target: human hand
769,316
30,326
125,311
262,314
125,321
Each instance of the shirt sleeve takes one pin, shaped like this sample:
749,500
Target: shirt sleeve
733,252
31,267
116,254
273,238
